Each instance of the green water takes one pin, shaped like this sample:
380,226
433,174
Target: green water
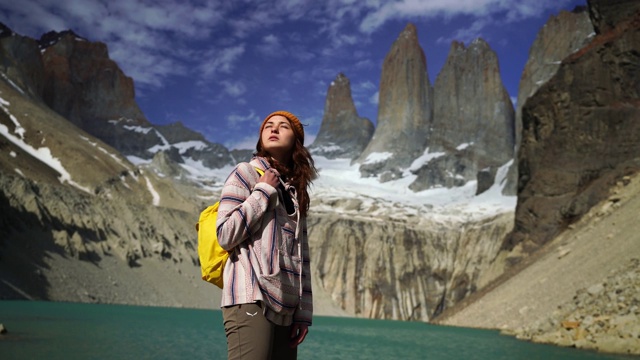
48,330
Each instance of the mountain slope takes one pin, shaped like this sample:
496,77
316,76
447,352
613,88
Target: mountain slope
604,241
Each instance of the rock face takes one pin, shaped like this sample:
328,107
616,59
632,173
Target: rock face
404,110
76,79
178,133
561,36
580,130
473,118
85,86
21,62
342,134
606,15
190,144
397,267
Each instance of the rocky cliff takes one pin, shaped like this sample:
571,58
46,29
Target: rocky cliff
21,62
76,78
473,119
404,110
561,36
395,266
342,134
581,132
85,86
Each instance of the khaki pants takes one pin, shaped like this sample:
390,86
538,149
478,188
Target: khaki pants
251,336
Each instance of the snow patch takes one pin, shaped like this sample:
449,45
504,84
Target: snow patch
14,85
137,161
377,157
154,193
43,154
424,159
103,150
138,129
338,179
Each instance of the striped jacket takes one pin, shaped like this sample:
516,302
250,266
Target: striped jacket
269,251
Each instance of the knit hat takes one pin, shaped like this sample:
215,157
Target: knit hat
298,131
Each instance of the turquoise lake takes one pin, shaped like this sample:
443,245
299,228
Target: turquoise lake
50,330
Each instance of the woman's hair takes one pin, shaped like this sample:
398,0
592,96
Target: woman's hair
299,172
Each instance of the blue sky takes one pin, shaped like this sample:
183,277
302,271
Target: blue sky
220,66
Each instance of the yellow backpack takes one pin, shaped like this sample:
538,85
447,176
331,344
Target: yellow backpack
212,256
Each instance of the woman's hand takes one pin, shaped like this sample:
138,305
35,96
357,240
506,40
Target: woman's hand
298,333
271,177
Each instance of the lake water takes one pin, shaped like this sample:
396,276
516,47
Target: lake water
50,330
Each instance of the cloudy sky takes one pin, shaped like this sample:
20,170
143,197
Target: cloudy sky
220,66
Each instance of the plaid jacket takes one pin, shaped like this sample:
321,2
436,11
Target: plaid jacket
269,251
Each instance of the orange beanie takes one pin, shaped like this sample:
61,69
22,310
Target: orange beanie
295,123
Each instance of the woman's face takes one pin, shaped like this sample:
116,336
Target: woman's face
277,137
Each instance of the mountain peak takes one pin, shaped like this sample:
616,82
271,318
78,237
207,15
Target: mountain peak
5,30
404,110
52,37
342,134
410,32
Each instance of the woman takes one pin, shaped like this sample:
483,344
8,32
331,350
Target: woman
266,299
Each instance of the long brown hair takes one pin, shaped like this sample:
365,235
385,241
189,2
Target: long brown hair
299,172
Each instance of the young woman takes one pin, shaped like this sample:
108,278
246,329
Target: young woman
266,299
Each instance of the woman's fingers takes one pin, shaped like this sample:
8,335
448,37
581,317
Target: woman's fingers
270,177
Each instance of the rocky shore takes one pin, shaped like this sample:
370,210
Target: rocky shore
604,316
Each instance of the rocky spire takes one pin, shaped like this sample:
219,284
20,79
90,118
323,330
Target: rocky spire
473,118
471,105
404,110
342,134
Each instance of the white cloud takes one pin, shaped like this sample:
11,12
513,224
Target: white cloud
143,37
374,99
270,45
233,88
466,34
236,120
220,60
382,12
150,40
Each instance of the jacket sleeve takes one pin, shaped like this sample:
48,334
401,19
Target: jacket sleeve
243,202
304,313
